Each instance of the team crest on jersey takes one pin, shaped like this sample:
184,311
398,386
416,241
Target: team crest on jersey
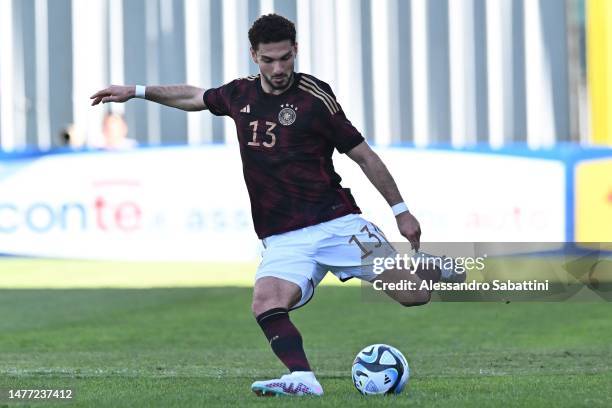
287,114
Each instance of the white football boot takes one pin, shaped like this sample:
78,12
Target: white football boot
297,383
447,272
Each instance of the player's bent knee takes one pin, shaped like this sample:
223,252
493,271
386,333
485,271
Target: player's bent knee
258,307
271,293
261,305
416,298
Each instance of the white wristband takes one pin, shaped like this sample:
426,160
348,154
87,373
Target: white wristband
140,91
399,208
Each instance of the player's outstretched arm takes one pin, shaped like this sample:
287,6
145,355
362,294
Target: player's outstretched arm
379,176
184,97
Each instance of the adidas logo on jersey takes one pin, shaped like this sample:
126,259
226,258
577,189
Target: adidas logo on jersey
246,109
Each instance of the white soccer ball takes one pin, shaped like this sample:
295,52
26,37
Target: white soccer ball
380,369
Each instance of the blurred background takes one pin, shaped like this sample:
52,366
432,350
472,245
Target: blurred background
406,71
493,115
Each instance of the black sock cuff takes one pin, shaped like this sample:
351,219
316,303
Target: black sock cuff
273,314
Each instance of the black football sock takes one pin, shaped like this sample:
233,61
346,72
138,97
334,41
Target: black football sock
284,338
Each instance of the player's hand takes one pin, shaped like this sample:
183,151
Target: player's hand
114,93
409,227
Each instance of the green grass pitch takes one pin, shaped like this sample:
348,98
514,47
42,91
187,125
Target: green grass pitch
125,344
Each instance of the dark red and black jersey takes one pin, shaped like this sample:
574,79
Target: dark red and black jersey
286,145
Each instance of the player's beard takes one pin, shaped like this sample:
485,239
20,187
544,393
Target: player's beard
282,85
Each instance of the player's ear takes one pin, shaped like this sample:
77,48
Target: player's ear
295,49
253,55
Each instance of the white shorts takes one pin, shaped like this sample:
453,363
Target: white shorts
304,256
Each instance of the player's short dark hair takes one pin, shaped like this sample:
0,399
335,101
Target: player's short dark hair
271,28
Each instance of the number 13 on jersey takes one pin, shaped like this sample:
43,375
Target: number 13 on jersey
266,143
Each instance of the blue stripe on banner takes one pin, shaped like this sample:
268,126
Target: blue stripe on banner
563,151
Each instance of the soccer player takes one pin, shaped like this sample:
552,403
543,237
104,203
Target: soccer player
288,125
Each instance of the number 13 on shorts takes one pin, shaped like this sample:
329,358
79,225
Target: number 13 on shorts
372,241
